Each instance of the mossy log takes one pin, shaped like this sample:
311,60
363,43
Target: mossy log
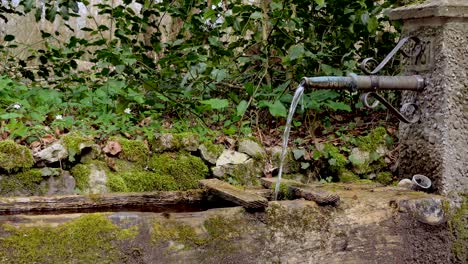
307,192
16,205
230,193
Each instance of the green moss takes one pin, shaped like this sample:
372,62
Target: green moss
377,137
120,165
14,157
347,176
184,168
222,228
88,239
26,182
145,181
336,160
163,231
458,223
116,183
384,178
132,150
284,191
81,174
173,142
74,143
214,149
246,174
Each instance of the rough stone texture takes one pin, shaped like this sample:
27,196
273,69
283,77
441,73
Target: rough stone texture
251,148
52,153
365,228
97,180
290,164
61,185
231,157
208,155
437,146
426,210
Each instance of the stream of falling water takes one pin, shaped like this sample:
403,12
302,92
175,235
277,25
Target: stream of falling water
297,97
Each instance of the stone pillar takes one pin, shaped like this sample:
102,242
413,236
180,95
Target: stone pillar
437,146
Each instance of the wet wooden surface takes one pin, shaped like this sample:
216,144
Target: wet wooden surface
308,192
230,193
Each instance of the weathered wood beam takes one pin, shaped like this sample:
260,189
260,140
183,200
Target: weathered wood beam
304,191
15,205
230,193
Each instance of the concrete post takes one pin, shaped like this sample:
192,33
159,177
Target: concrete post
437,146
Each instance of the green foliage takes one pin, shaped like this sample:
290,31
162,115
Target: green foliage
132,150
458,222
88,239
220,65
184,168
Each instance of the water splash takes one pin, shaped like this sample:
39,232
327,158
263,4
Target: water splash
297,97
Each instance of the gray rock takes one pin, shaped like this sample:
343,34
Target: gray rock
246,173
63,185
426,210
53,153
48,172
290,165
97,179
406,183
231,157
174,142
210,155
251,148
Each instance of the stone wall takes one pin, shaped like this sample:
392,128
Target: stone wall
436,146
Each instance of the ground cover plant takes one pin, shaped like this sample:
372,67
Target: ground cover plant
227,69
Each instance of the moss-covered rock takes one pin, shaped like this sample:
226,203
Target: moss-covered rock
246,173
91,177
336,160
174,142
252,148
141,181
384,178
132,150
210,152
88,239
458,225
184,168
75,143
347,176
14,157
290,165
22,184
171,231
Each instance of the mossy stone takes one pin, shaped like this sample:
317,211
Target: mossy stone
336,160
132,150
347,176
184,168
142,181
372,141
173,142
22,183
81,174
384,178
75,143
14,157
88,239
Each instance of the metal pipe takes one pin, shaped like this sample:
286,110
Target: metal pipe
369,83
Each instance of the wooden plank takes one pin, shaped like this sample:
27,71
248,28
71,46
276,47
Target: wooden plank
305,191
230,193
16,205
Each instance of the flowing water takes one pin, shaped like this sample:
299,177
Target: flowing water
297,97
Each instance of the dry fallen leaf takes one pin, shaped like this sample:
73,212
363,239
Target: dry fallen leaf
112,147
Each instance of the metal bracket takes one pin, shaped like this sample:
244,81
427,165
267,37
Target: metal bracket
378,98
415,52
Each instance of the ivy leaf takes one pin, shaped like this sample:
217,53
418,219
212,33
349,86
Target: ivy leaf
242,107
8,38
216,103
320,2
10,116
296,51
218,74
372,24
338,106
256,15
